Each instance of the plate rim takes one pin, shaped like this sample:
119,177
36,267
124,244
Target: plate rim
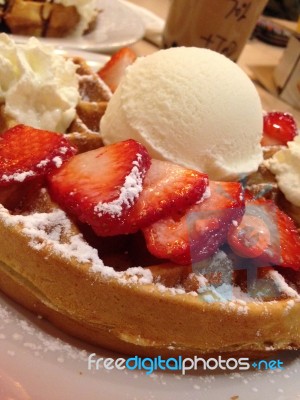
87,42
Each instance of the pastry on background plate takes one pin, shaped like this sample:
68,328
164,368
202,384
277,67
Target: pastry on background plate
149,256
45,18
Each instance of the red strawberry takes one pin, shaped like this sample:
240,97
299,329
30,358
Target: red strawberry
114,69
267,234
27,153
251,238
279,128
100,185
201,230
167,189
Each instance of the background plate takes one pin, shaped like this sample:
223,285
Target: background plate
117,26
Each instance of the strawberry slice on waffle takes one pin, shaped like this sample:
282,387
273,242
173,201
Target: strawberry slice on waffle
112,72
27,155
266,234
168,189
116,191
202,229
99,186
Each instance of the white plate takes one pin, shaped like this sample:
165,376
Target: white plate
94,60
38,362
117,26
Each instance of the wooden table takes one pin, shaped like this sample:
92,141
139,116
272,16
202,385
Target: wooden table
255,53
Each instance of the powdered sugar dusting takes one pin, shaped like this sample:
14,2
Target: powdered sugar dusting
43,163
53,230
94,79
206,194
38,342
57,161
130,191
282,285
133,275
63,150
17,176
225,293
21,176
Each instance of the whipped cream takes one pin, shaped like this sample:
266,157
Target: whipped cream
37,86
87,10
285,165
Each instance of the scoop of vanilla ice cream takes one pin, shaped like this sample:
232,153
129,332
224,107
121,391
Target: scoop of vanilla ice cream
37,86
191,106
285,165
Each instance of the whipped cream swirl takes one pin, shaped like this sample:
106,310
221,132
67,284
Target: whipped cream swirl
37,86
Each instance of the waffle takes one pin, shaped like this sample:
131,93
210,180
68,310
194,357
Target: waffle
111,292
42,18
84,129
61,272
264,182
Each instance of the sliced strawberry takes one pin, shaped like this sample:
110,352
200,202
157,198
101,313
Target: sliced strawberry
168,189
114,69
289,255
100,185
27,153
279,128
251,238
201,230
267,234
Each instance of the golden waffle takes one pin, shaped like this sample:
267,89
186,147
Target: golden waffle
41,18
56,271
94,94
111,292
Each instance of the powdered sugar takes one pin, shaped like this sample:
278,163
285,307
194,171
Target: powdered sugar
21,176
43,163
206,195
17,176
25,334
289,305
94,80
224,293
134,275
57,161
54,231
130,191
63,150
283,286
